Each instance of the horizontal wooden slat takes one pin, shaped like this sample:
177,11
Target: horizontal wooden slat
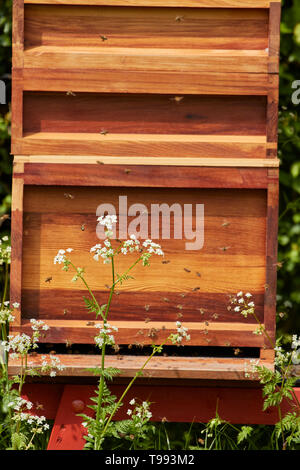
114,81
164,3
158,367
220,334
147,145
138,306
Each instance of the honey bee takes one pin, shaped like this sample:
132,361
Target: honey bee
166,262
195,289
147,320
99,162
177,99
179,19
187,270
127,171
68,196
225,224
147,307
237,351
48,279
104,132
104,38
70,93
224,248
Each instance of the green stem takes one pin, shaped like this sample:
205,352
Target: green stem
128,388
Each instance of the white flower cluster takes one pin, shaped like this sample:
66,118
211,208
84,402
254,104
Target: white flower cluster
51,364
6,312
130,245
5,251
181,334
38,424
19,404
104,335
251,368
105,252
22,343
153,248
140,414
244,304
107,221
61,256
296,350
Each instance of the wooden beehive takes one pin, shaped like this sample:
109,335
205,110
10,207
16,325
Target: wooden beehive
165,102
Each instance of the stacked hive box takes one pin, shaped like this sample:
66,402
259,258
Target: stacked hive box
164,101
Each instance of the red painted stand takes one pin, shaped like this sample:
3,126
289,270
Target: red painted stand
173,403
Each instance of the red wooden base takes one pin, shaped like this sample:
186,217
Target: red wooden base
173,403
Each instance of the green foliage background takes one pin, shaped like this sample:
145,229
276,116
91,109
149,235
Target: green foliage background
289,153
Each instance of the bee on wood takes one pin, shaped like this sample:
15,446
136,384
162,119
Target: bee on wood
147,307
68,196
177,99
104,132
116,348
82,227
225,224
104,38
205,332
127,171
129,346
182,295
215,316
140,332
195,289
187,270
178,19
236,351
266,286
70,93
48,279
147,320
116,292
99,162
90,323
68,343
107,286
224,248
208,340
166,262
198,274
179,306
201,310
227,344
179,315
206,323
65,312
165,299
153,332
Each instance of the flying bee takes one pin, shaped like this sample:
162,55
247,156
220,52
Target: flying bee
70,93
48,279
104,38
39,406
224,248
104,132
68,343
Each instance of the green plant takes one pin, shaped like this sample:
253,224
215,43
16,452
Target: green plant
101,425
278,383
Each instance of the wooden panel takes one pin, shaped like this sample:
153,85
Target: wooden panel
186,284
144,114
162,28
